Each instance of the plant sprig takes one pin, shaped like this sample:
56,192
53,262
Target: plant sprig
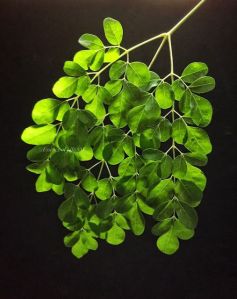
124,148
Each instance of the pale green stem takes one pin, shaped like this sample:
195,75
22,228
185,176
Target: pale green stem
101,168
172,80
157,51
164,35
107,166
187,16
89,169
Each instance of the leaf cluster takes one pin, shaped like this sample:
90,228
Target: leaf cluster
149,129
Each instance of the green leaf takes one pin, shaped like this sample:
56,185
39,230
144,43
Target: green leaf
187,215
164,210
89,241
179,130
72,68
112,55
63,108
84,58
188,192
64,160
39,153
113,31
85,154
82,85
90,93
198,141
164,129
104,208
161,227
76,199
143,115
186,103
37,168
97,138
181,231
58,189
168,243
152,154
136,220
153,82
72,141
114,87
113,153
39,134
149,173
53,175
45,111
121,221
164,95
97,108
79,249
196,159
91,41
201,113
122,103
71,239
41,184
89,182
115,235
162,191
104,95
196,176
86,117
138,73
194,71
144,207
65,87
203,85
179,167
149,139
97,60
115,134
178,88
127,167
104,189
165,166
126,184
117,69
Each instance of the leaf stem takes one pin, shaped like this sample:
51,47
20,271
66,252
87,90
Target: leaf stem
101,168
89,169
187,16
165,35
158,51
110,174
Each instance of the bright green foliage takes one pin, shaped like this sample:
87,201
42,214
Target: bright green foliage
164,95
113,31
65,87
168,242
194,71
114,152
138,73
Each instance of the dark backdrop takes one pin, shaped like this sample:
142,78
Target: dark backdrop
36,38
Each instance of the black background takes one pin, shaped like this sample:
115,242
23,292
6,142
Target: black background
36,38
